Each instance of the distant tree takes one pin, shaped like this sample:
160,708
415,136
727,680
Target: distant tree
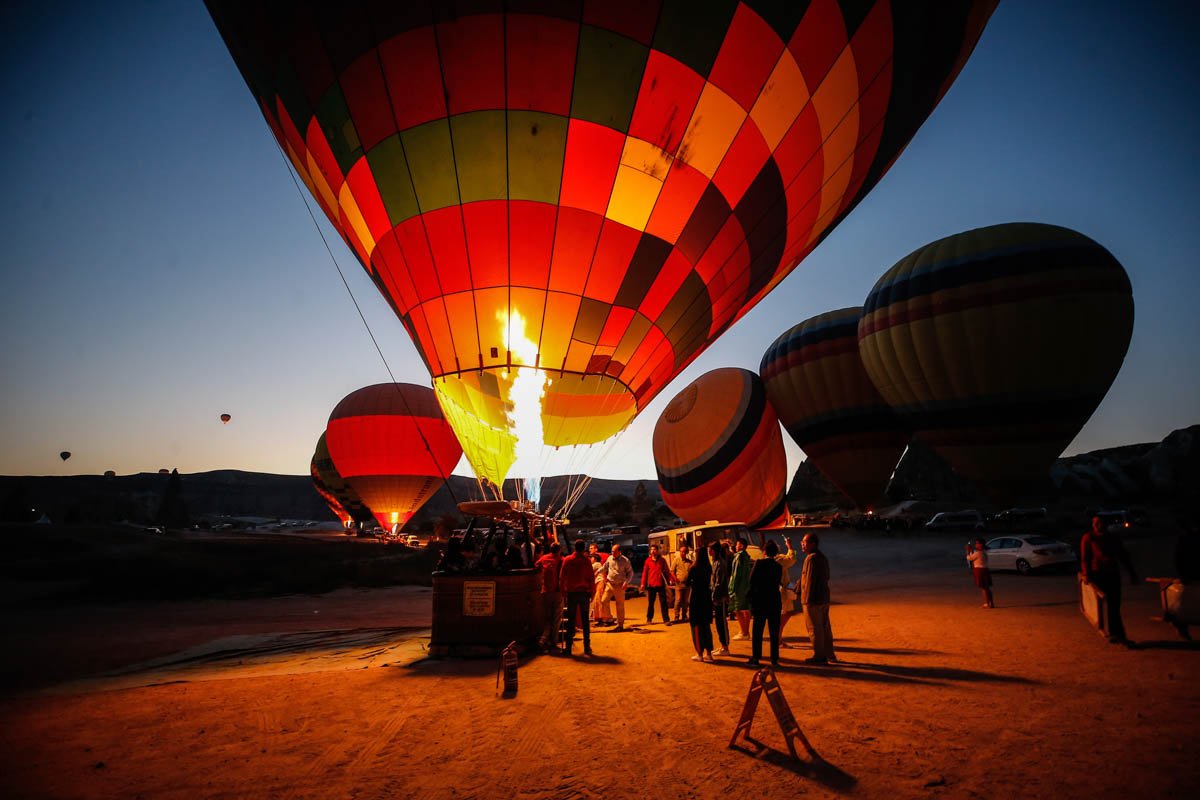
641,501
172,511
619,507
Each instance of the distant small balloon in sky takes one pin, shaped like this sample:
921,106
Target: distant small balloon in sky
164,471
64,455
225,418
108,473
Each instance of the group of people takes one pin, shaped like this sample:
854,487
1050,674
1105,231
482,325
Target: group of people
711,587
1102,555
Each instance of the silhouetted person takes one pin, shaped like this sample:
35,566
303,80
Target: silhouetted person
1101,556
700,606
765,603
814,599
452,559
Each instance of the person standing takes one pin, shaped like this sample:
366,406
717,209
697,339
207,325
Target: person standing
656,574
979,568
700,606
765,603
550,564
599,582
814,599
576,580
681,565
1101,556
786,560
739,588
719,590
618,573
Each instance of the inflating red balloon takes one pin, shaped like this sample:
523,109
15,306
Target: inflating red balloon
392,445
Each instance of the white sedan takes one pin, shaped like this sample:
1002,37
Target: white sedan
1027,552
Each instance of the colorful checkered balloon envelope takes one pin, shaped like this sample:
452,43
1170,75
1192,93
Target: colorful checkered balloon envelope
589,192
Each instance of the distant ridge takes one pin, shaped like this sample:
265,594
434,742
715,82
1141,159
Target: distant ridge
231,492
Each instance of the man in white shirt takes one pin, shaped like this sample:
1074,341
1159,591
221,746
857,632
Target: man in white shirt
618,573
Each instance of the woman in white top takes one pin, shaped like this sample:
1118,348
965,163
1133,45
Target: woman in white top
979,567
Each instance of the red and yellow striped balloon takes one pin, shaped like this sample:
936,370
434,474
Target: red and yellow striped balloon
827,403
393,447
996,345
719,453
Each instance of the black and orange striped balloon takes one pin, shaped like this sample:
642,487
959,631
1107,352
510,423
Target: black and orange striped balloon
393,447
827,403
719,452
997,344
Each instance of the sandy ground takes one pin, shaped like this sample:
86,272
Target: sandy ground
331,696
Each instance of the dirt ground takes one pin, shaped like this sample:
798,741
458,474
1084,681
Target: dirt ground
331,696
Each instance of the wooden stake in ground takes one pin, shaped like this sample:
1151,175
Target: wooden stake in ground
765,680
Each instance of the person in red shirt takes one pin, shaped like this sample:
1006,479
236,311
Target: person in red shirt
577,579
656,574
550,565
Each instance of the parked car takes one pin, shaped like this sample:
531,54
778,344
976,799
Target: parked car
412,540
1020,518
956,521
1026,552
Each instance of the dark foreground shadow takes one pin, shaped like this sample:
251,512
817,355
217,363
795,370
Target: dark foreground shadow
816,768
889,673
1167,644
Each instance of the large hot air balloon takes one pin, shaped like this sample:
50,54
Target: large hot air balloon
64,455
342,500
393,447
997,344
565,203
817,384
719,453
225,419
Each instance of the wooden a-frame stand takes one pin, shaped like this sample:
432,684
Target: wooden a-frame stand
765,680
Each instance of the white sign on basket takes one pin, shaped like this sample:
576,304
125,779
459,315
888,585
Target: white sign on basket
479,598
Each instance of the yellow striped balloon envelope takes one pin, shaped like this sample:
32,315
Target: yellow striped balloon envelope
325,474
566,202
392,446
827,403
719,453
997,344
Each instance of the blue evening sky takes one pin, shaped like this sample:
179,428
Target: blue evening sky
159,268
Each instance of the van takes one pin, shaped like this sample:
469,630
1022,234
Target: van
697,536
956,521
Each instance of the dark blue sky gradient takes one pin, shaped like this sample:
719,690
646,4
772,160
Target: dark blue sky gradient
159,267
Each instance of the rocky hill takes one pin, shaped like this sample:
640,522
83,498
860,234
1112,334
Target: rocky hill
136,498
1165,473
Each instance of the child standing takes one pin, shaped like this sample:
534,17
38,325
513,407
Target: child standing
979,567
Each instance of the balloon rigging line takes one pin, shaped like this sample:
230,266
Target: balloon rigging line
361,316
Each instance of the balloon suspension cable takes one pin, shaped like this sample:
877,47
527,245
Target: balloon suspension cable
361,316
